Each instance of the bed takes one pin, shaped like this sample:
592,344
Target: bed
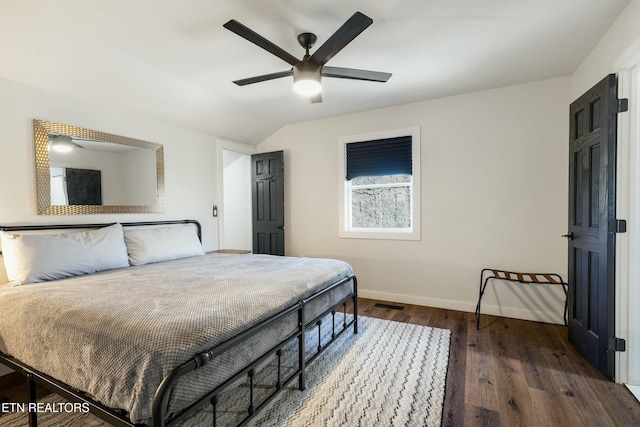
152,340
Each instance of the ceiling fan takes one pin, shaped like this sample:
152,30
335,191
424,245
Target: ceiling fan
62,143
308,71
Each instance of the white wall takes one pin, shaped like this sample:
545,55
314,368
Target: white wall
139,171
109,164
620,41
494,194
190,157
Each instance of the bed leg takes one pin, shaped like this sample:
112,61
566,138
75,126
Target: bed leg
31,391
214,409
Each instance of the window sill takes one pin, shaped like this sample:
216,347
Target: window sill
380,235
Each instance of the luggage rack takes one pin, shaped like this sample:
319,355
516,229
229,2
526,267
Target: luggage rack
526,278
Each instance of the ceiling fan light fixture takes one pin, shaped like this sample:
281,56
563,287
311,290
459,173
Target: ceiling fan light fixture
307,87
306,79
62,144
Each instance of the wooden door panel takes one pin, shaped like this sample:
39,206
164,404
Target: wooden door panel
592,151
587,320
267,243
265,193
587,197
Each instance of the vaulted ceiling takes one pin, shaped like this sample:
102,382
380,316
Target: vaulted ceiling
174,60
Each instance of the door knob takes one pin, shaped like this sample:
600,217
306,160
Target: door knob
568,236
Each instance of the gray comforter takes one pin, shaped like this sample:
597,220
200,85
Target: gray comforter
116,334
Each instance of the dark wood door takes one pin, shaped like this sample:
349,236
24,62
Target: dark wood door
592,166
267,177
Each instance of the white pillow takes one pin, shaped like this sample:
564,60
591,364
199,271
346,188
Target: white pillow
147,245
33,258
3,274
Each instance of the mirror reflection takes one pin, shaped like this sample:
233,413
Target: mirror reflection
84,171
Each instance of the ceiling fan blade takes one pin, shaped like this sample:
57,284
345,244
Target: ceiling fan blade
342,37
80,138
355,74
264,77
316,99
258,40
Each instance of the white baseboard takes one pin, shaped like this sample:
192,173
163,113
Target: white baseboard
635,390
513,312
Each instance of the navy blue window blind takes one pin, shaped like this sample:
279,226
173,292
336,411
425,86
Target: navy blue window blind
390,156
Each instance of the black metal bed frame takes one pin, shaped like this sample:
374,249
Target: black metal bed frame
36,227
160,401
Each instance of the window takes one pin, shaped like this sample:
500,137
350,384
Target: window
380,185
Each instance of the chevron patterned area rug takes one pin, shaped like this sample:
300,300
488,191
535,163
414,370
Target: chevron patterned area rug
389,374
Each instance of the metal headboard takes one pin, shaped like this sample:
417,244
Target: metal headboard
124,224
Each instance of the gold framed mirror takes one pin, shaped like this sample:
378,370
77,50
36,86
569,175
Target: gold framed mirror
82,171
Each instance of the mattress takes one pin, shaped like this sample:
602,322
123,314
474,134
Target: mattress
117,333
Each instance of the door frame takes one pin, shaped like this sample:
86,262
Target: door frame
628,207
223,144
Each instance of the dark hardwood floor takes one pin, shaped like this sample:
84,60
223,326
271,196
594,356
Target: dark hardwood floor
509,373
517,373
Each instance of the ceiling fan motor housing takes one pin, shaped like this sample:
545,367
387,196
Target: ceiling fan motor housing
305,70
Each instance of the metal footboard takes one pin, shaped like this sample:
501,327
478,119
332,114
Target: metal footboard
160,401
162,393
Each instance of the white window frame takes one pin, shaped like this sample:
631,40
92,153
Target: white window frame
344,189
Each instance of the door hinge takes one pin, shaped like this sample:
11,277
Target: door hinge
623,105
617,344
617,226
